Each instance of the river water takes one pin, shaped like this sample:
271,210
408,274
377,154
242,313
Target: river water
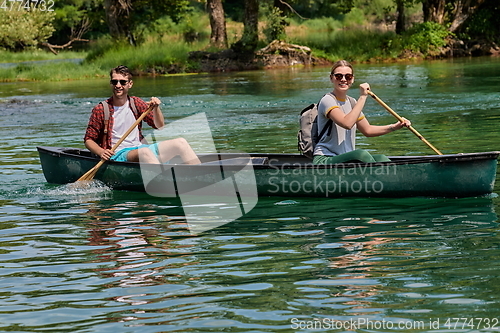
98,260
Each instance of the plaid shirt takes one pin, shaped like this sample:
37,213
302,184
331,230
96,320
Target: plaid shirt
95,128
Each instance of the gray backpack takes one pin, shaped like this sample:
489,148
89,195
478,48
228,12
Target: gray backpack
309,135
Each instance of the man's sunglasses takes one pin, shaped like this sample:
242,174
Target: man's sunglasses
339,76
122,82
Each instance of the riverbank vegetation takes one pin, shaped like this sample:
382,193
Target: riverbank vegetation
157,37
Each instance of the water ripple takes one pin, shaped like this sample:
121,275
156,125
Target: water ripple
96,260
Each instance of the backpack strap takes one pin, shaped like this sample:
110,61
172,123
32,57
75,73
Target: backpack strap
133,107
328,127
352,101
136,115
329,124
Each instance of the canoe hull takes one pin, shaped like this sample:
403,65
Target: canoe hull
459,175
432,178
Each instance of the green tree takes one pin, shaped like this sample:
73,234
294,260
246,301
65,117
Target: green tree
483,23
124,17
23,29
320,8
250,38
75,18
453,13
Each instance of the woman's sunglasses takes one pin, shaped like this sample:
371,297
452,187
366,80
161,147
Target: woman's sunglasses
339,76
122,82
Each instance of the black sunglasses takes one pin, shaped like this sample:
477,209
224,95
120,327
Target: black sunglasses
339,76
122,82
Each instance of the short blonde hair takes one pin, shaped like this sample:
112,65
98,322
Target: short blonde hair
341,63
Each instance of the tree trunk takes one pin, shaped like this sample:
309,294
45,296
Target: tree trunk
434,10
250,38
401,20
462,11
118,19
218,37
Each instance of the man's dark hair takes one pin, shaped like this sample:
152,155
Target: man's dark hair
123,70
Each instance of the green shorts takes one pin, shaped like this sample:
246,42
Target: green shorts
358,155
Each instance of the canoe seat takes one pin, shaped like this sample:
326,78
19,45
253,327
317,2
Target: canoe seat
239,161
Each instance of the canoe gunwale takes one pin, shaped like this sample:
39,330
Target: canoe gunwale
294,161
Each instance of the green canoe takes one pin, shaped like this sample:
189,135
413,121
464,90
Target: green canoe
454,175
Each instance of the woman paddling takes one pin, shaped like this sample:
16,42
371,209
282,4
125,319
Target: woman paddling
337,145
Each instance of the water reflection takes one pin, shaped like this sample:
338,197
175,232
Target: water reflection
364,256
305,258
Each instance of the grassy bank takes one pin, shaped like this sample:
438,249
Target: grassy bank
152,56
59,71
164,49
38,55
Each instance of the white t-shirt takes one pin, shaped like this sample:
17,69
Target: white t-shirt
123,118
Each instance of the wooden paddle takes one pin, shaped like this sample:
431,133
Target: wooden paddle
89,175
391,111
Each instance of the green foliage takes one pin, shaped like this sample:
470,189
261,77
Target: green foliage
146,12
483,23
151,55
234,9
51,72
193,28
38,55
164,26
100,47
351,44
72,15
374,9
23,29
327,24
426,38
322,8
167,36
275,28
364,45
354,18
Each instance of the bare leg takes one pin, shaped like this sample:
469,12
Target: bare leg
177,147
143,155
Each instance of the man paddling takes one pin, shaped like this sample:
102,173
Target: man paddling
103,130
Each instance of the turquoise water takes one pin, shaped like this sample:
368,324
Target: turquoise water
98,260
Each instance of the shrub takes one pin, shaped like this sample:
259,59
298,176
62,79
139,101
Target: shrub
426,38
275,28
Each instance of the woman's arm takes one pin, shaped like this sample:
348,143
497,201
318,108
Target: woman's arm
347,121
369,130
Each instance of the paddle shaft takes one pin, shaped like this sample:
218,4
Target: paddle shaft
398,117
91,173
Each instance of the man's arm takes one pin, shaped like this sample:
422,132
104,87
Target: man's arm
157,114
92,134
104,154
